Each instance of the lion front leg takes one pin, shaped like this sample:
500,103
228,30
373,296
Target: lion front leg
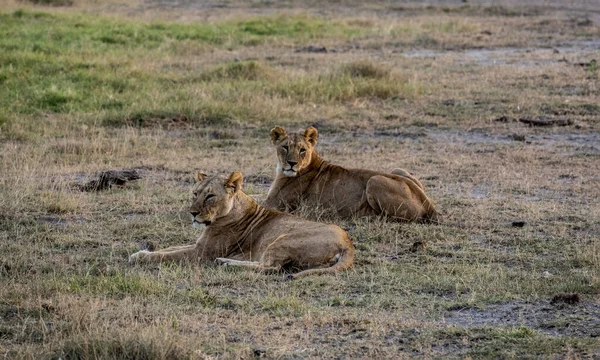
175,253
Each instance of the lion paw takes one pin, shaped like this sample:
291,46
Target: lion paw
138,256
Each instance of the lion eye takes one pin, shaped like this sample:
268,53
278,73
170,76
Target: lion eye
302,151
286,148
208,197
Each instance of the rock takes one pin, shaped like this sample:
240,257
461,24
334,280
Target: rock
313,49
545,121
149,245
418,246
106,179
505,119
259,353
449,102
539,121
570,299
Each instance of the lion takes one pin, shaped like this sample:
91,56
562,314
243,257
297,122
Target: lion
240,232
304,177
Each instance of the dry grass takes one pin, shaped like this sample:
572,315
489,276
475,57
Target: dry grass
385,95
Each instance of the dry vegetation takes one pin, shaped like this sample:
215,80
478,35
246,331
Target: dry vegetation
168,87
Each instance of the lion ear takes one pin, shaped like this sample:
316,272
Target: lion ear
277,134
199,176
312,135
235,181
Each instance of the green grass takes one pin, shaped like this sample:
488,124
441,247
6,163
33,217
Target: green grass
116,284
90,66
51,33
65,63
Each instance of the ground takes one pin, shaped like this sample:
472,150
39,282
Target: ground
445,89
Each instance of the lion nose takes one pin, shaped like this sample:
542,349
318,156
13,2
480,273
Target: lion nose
292,163
194,214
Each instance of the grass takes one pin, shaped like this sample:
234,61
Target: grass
93,68
83,93
100,34
117,347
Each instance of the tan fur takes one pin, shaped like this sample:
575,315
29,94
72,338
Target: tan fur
304,177
240,232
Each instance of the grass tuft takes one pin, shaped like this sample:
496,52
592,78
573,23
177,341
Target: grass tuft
117,284
243,70
365,69
343,86
60,202
120,347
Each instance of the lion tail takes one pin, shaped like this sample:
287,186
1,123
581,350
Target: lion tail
345,261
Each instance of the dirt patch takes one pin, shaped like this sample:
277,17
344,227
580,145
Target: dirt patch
553,318
539,121
570,144
513,56
471,137
401,134
56,220
564,143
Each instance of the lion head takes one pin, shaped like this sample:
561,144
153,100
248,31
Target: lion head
294,151
213,197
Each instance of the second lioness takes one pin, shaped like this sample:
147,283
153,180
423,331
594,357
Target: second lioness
304,177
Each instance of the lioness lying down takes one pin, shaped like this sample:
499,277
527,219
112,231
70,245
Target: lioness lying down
303,176
239,232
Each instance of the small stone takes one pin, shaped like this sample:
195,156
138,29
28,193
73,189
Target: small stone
259,353
148,245
418,246
570,299
313,49
517,137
